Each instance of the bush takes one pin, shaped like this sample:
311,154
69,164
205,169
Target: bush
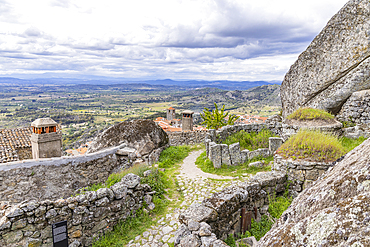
250,141
310,114
312,145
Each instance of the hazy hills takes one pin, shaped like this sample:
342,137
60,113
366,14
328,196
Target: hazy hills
129,84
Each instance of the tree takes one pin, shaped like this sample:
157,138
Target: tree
216,119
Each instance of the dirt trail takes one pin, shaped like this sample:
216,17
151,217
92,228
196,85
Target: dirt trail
190,170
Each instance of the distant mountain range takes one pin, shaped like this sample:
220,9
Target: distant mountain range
191,84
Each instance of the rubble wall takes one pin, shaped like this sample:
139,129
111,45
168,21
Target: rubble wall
88,216
62,177
217,217
186,137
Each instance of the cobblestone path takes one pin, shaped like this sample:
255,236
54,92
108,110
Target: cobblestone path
195,187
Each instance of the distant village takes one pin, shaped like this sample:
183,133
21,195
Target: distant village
16,144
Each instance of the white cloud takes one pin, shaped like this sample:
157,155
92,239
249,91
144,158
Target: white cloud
178,39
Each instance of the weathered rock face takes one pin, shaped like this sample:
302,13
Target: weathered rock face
335,64
143,135
335,211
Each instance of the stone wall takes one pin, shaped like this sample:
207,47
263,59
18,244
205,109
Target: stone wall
290,129
88,216
62,177
216,217
218,136
186,137
357,108
302,173
232,155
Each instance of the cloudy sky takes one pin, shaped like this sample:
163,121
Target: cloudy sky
158,39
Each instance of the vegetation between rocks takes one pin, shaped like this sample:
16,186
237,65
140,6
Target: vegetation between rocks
310,114
174,155
252,140
317,146
165,185
206,165
277,206
312,145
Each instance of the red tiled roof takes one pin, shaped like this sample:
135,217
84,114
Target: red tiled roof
11,140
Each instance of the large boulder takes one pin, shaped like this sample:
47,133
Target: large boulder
334,65
143,135
335,211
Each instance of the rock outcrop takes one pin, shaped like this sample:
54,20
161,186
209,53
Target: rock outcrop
335,65
335,211
143,135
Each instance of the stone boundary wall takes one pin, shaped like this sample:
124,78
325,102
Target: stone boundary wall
218,136
61,177
289,130
205,224
232,155
88,216
357,108
186,137
302,173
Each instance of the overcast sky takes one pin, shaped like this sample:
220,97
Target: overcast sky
158,39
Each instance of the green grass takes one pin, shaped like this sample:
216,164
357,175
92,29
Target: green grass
114,178
206,165
164,183
126,230
317,146
349,143
310,114
252,140
277,206
313,146
173,155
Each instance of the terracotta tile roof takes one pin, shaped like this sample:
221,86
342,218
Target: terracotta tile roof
11,140
171,108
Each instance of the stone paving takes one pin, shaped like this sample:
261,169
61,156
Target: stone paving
194,191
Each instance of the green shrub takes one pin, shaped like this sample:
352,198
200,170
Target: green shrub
230,241
310,114
250,141
312,145
277,206
259,229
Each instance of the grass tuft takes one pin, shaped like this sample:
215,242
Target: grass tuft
312,145
310,114
252,140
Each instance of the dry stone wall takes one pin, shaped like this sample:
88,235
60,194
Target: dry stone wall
62,177
210,222
357,108
300,172
232,155
88,215
186,137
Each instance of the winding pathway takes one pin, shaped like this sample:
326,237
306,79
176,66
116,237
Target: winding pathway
195,186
